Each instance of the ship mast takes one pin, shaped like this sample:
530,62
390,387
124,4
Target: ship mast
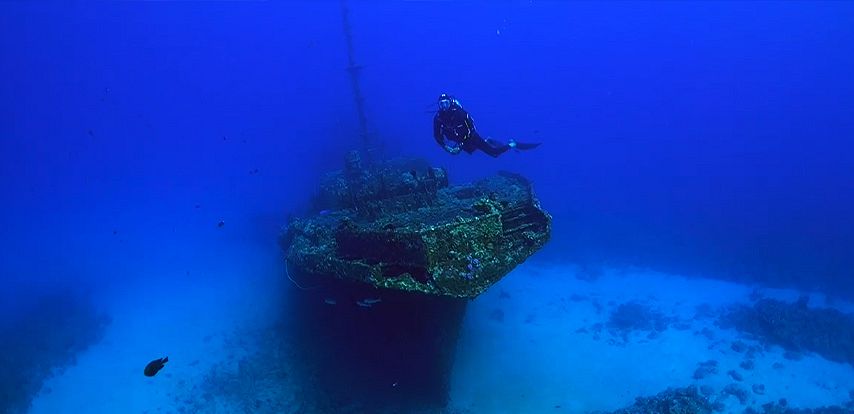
353,69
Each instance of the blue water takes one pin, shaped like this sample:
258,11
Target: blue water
707,140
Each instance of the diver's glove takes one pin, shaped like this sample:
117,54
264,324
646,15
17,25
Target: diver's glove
453,150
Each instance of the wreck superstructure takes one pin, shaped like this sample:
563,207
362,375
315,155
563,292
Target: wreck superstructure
400,225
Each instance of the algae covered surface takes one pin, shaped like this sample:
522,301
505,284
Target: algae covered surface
401,226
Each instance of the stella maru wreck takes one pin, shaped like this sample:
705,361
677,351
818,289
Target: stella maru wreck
386,260
399,225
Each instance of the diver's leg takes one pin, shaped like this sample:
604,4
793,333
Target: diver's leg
492,147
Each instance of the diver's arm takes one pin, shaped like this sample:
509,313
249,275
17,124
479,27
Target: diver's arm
469,126
437,131
440,138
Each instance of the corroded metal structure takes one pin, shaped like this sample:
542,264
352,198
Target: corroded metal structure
399,225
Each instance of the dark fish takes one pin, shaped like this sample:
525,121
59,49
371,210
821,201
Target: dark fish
220,224
154,366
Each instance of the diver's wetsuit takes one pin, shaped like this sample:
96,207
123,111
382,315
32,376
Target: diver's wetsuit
455,124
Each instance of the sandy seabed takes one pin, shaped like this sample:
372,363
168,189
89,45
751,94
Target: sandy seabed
537,342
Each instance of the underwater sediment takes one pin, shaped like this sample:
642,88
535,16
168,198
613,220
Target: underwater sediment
40,341
686,400
796,327
690,400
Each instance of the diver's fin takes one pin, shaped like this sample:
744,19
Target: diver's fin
527,145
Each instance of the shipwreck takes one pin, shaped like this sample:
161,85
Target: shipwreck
400,225
386,258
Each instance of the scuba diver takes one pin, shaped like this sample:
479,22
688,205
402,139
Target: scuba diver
453,123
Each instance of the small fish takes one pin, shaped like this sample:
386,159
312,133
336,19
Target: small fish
154,366
329,301
220,224
324,212
368,302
